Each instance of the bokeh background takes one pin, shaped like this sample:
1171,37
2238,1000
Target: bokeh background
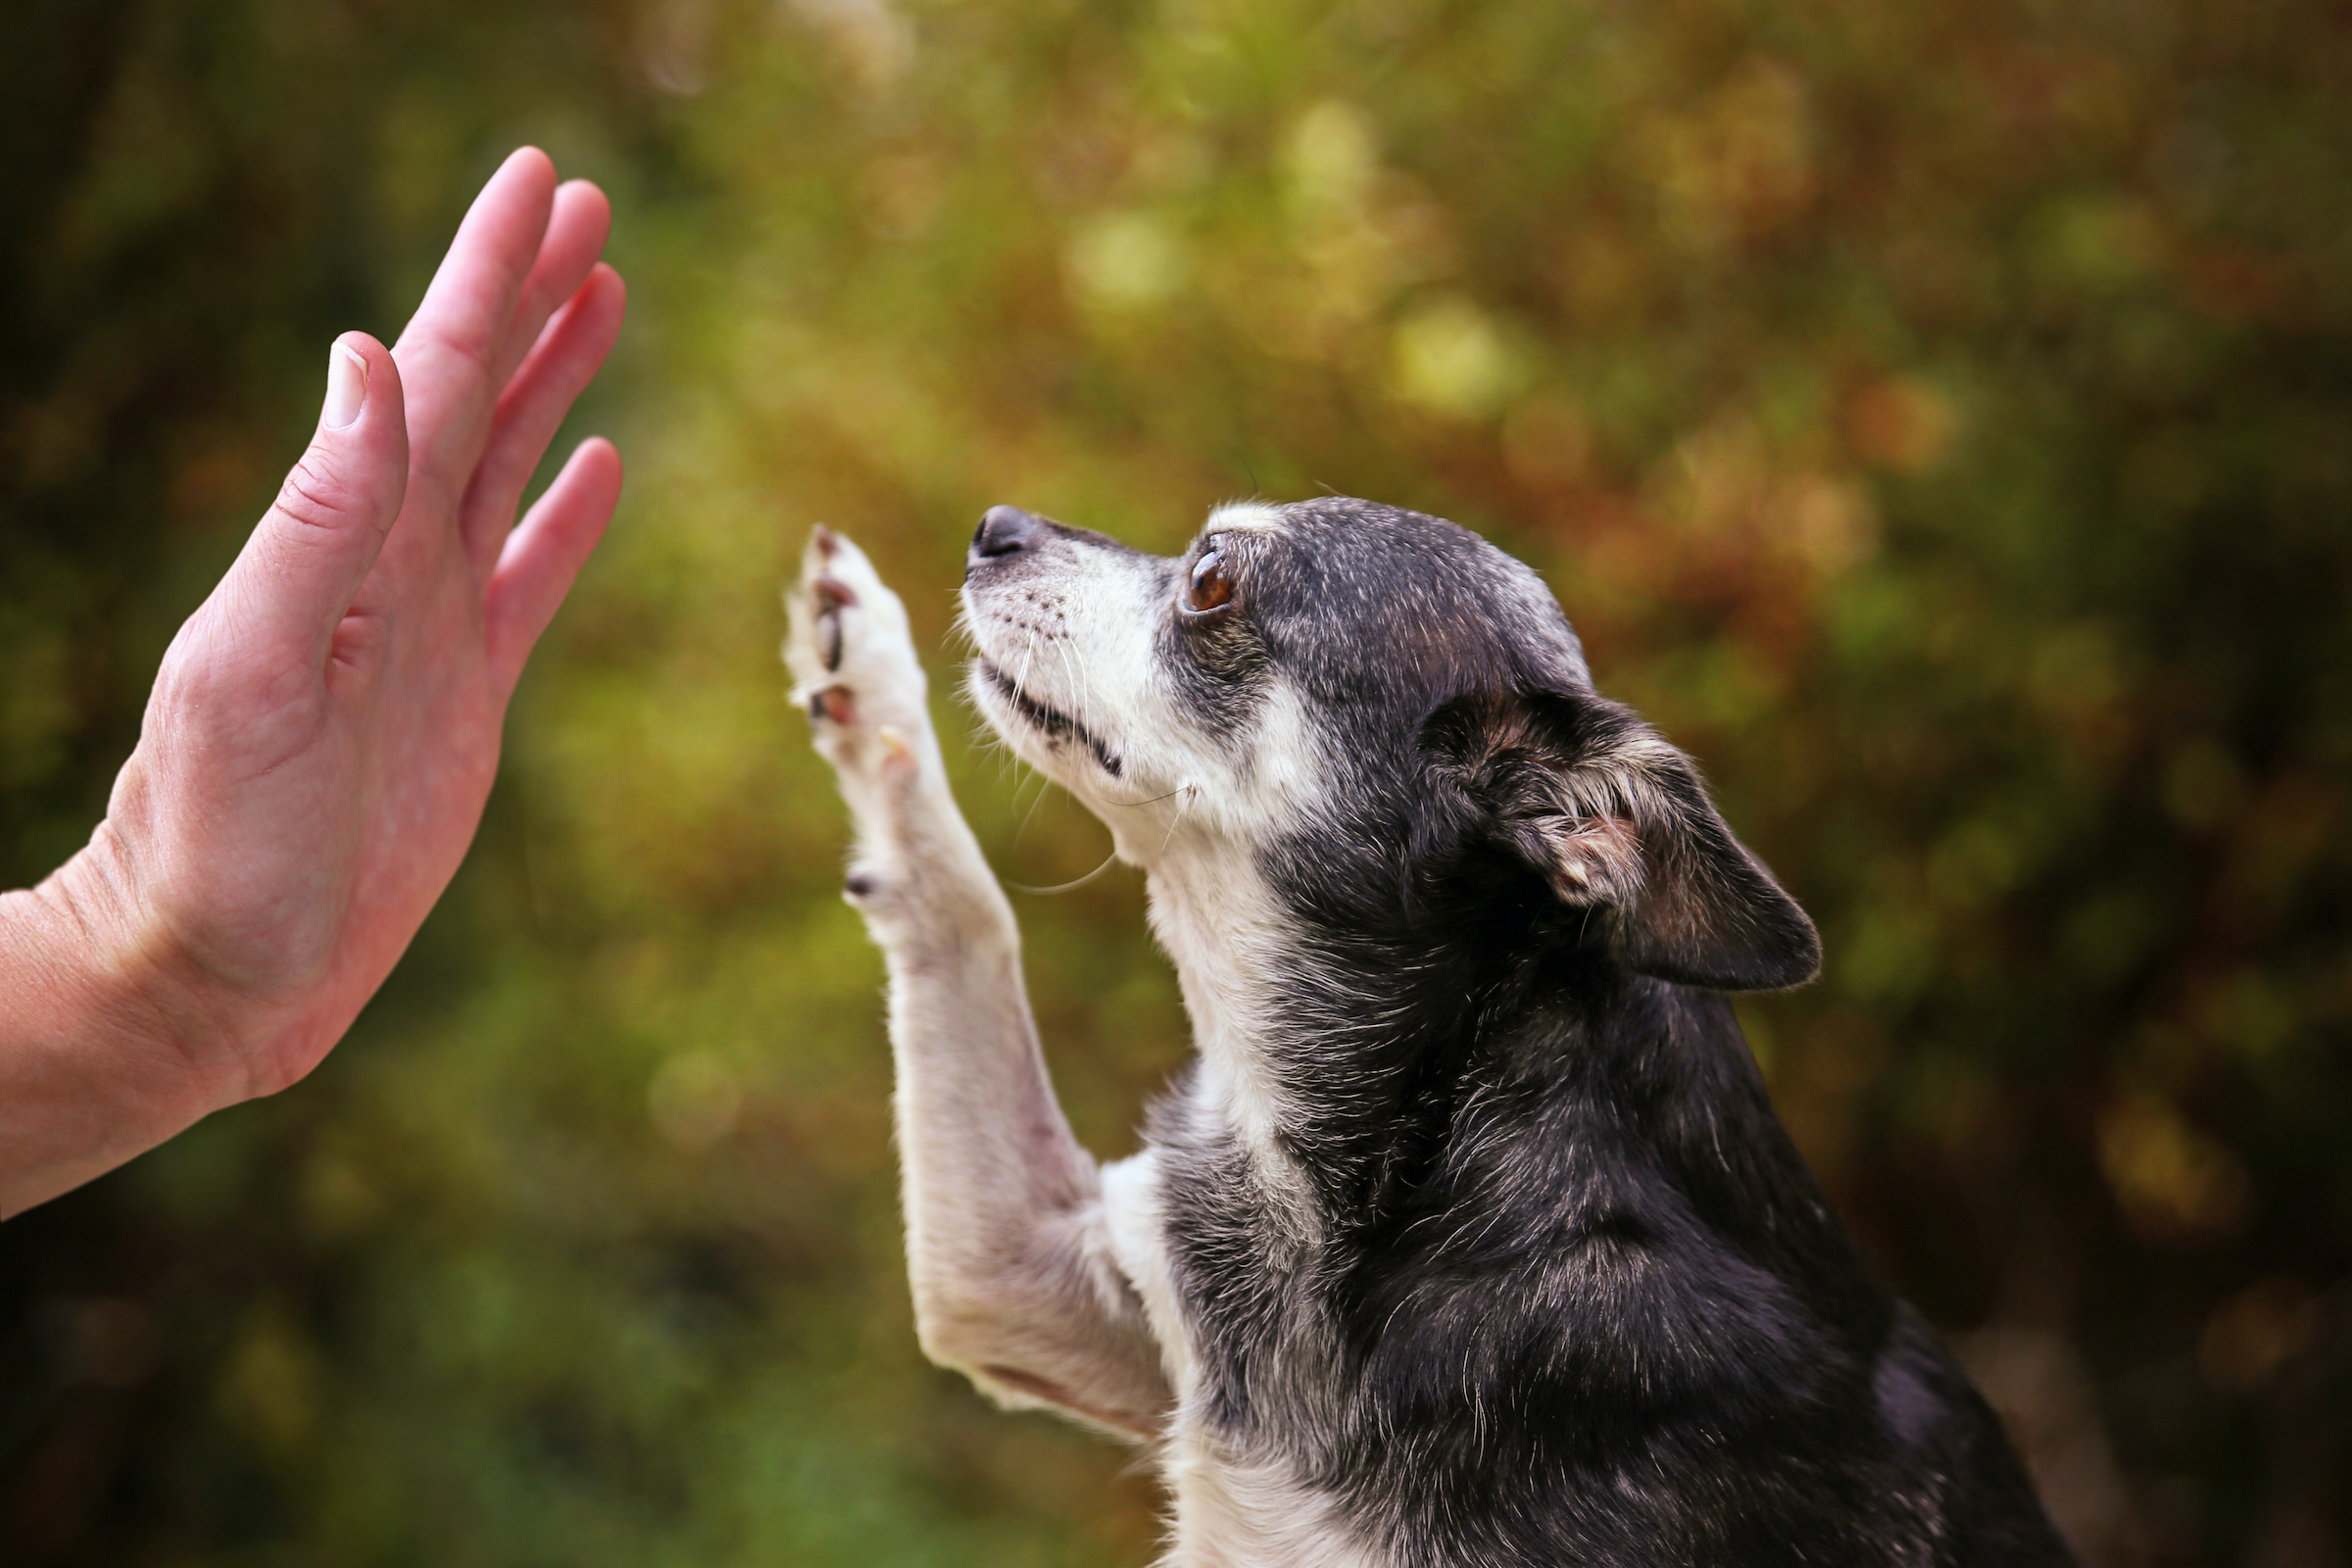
1935,413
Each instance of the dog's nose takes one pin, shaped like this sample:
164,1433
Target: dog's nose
1003,531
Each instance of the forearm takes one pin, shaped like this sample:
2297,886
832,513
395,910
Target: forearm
987,1155
984,1140
1008,1256
96,1066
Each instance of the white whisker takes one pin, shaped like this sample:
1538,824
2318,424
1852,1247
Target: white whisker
1069,887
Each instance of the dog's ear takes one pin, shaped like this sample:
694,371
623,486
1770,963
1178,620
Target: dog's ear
1617,820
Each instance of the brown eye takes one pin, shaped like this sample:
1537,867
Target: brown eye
1210,588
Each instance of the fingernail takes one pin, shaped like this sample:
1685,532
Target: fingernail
346,387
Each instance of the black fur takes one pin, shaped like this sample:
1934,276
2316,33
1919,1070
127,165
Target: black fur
1572,1295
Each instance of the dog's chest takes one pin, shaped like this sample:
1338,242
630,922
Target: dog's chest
1233,1509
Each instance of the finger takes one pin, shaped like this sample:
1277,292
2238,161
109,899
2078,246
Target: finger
304,563
455,340
531,408
577,227
545,554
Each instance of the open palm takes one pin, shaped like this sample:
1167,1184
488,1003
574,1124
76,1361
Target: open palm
325,728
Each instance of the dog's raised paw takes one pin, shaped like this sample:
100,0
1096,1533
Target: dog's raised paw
852,661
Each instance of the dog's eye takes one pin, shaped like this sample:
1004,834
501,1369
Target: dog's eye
1211,587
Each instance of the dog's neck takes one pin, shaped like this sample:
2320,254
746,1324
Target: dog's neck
1335,1057
1235,953
1341,1058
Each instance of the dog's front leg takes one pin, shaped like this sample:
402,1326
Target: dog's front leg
1007,1252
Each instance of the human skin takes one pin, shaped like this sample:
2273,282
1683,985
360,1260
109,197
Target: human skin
324,729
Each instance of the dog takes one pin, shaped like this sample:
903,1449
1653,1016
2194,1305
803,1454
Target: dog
1469,1236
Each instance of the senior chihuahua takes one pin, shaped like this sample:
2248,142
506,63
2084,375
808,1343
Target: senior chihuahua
1470,1237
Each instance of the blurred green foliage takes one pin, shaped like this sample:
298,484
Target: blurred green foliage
1935,416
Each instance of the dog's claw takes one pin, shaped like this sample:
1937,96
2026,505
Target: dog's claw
832,596
828,543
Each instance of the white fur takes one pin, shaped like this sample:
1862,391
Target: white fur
1233,1513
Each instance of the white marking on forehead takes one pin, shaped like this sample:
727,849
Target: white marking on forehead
1251,515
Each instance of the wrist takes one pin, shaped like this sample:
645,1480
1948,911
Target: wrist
109,1041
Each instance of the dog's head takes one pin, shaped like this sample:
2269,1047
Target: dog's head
1362,706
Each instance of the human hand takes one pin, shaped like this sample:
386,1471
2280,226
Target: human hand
324,730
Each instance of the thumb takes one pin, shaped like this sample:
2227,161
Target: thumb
304,564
